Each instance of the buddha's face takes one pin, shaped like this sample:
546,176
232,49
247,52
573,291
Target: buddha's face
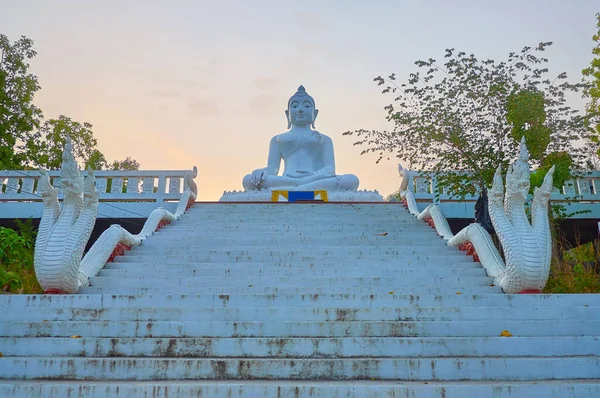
301,112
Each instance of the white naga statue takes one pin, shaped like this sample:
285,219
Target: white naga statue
309,163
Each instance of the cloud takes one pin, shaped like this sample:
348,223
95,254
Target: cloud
188,83
266,105
210,68
310,21
165,94
202,107
265,82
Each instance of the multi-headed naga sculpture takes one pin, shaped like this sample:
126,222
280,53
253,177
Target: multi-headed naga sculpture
64,233
527,247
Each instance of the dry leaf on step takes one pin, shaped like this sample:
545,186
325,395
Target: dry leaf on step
383,234
76,336
505,333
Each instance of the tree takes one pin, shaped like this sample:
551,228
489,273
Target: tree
592,90
24,140
462,119
96,161
46,148
126,164
19,117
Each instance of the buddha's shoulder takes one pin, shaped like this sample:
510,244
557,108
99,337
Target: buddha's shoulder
321,135
316,132
281,136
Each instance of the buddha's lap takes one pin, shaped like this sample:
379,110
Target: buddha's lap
312,182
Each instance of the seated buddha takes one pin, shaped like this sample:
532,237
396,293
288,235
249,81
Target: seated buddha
308,159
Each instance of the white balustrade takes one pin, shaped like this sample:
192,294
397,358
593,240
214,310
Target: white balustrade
579,194
137,192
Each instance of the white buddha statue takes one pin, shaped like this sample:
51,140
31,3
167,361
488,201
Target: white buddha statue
308,159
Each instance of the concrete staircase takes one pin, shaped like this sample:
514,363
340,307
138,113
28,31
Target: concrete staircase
298,300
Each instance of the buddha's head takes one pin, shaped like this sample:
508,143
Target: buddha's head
301,109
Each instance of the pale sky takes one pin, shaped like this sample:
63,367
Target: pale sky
183,83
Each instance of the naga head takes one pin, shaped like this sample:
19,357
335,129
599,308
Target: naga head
543,192
89,186
71,180
45,188
517,176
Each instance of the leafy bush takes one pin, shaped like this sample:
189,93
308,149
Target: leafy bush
576,271
16,259
10,281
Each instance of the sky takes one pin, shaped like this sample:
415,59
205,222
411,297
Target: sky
205,83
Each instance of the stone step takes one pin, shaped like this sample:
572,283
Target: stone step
343,213
298,207
574,313
336,251
372,228
278,219
203,240
325,207
575,388
198,270
318,283
291,290
287,239
355,347
303,261
300,218
284,226
288,260
458,262
341,217
293,301
481,328
293,253
459,368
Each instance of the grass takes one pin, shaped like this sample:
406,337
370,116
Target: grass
577,270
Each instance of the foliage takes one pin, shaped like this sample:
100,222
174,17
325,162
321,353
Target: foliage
46,150
592,91
10,281
394,197
18,115
14,248
561,161
578,271
16,259
26,141
27,230
126,164
526,112
96,161
462,119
